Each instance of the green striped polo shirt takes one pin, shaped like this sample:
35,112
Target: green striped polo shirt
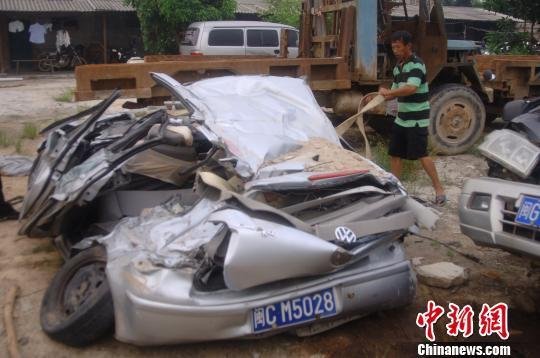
412,109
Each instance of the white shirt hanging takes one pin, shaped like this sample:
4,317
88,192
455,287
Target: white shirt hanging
62,39
37,33
16,26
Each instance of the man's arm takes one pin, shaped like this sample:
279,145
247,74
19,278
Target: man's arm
410,87
402,91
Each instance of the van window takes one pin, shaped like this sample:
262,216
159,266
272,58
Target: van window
262,38
226,37
292,38
190,36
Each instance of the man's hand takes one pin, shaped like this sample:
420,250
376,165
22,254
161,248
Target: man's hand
368,98
386,93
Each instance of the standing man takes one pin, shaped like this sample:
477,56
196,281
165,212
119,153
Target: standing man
409,137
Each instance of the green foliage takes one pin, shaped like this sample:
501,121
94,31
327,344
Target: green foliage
30,131
523,9
284,12
410,168
65,96
18,146
5,139
528,10
468,3
506,40
162,21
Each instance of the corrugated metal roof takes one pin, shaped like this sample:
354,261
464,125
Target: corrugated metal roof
63,5
457,13
110,5
251,6
242,6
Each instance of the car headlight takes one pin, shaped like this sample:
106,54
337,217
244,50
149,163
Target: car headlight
480,201
511,151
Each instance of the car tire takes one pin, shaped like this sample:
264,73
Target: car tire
457,119
77,308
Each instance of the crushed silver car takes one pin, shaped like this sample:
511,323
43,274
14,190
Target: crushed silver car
289,232
94,169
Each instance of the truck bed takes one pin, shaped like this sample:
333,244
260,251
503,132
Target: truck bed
98,81
516,76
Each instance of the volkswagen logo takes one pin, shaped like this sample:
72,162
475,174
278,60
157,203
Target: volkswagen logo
345,234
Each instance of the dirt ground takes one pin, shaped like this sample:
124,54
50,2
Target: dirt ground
495,276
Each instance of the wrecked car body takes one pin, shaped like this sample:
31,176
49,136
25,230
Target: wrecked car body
502,210
241,269
289,231
94,169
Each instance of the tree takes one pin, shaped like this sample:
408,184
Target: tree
163,21
467,3
506,40
284,12
528,10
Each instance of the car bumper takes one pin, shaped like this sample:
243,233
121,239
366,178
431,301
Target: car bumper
495,227
155,316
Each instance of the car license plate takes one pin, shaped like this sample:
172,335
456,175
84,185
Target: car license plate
295,310
529,212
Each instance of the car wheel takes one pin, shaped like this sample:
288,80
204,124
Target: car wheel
457,119
77,308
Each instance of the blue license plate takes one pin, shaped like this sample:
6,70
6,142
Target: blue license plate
295,310
529,212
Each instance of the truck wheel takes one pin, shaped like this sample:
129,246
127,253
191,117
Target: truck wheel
457,119
77,307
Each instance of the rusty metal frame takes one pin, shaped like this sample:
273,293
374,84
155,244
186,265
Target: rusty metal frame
97,81
515,75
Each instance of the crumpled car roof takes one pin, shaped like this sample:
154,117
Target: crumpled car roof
258,118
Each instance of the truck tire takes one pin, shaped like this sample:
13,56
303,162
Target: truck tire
457,119
77,308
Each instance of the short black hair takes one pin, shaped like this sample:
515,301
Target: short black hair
403,36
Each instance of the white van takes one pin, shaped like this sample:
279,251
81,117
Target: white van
240,38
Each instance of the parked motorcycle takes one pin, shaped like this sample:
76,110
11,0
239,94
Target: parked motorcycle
121,55
508,151
503,210
68,57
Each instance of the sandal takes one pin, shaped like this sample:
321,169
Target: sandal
440,200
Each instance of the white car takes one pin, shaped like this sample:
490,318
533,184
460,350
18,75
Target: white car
237,38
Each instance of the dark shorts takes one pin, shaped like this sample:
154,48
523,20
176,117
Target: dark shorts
408,142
